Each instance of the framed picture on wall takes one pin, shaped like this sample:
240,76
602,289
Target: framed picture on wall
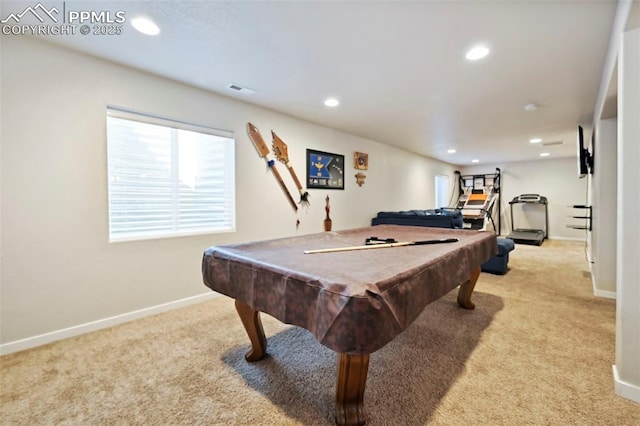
360,161
325,170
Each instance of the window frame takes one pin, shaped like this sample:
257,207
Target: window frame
437,188
229,172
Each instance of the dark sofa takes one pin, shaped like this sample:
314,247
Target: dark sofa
446,218
434,218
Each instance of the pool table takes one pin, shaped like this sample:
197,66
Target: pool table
353,302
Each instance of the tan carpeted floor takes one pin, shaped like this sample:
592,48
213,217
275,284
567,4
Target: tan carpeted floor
537,350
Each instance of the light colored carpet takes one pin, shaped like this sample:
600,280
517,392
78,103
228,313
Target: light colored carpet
537,350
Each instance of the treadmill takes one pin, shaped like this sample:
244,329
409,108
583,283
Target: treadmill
529,236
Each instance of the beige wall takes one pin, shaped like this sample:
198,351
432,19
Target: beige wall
627,366
58,270
603,247
556,179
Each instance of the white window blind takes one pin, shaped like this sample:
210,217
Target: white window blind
168,178
442,191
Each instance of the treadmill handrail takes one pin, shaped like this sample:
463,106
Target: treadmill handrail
519,200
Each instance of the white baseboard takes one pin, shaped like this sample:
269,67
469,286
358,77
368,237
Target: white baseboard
624,389
600,293
42,339
557,237
604,293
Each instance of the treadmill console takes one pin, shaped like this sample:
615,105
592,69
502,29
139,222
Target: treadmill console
529,198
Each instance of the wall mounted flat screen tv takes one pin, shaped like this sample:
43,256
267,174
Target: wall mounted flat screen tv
585,160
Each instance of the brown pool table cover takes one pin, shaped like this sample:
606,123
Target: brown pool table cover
353,302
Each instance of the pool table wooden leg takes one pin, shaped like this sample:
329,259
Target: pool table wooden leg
352,378
464,294
253,326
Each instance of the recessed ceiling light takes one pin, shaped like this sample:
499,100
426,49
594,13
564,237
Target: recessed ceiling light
332,102
544,154
451,151
145,26
535,140
477,52
530,107
475,161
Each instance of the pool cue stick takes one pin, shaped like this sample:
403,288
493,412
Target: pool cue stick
383,245
263,151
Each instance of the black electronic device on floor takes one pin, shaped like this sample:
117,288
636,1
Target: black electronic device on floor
529,236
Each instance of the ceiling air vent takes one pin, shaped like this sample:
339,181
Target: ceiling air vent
241,89
552,143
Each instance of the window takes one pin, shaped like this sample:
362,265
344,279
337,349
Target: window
168,178
442,191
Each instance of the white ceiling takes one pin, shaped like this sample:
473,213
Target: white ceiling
397,67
